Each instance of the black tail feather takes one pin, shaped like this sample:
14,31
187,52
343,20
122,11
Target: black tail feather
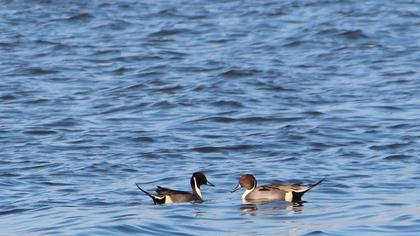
155,199
297,196
311,186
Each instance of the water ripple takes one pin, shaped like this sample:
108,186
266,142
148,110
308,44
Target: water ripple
97,96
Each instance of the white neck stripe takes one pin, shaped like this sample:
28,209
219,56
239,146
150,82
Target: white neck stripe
197,189
247,191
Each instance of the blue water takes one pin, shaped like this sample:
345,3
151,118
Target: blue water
96,96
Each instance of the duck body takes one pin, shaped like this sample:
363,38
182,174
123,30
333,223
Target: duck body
166,195
172,195
272,192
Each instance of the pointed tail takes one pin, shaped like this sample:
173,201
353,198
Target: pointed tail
311,186
297,196
156,199
144,191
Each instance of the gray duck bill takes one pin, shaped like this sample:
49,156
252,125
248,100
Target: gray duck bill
236,188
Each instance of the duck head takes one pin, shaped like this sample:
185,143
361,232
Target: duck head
198,179
246,181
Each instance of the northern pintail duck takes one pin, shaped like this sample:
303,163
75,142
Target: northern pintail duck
272,192
166,195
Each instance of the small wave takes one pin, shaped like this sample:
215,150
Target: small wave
121,70
387,107
399,73
252,119
397,157
143,139
294,43
236,73
389,146
41,71
224,103
353,34
40,132
316,232
67,122
170,89
168,32
11,212
122,108
81,17
163,104
211,149
8,97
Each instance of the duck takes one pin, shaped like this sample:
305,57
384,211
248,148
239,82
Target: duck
166,195
271,192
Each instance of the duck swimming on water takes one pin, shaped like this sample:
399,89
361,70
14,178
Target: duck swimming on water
271,192
165,195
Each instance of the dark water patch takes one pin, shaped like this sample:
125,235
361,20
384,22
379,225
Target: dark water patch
45,42
106,52
224,103
389,146
237,73
67,190
270,87
322,145
81,17
169,89
312,113
403,218
317,232
143,139
245,120
38,101
40,132
135,87
8,97
169,32
397,157
163,104
387,107
41,71
399,126
399,73
212,149
394,204
125,228
122,108
121,70
327,31
287,159
12,212
293,43
218,119
7,46
66,122
118,25
49,183
354,34
7,174
175,54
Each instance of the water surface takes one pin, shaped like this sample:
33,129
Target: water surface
96,96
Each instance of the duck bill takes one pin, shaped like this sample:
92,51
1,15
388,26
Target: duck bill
236,188
209,184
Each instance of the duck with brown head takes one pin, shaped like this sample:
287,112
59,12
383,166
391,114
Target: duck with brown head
271,192
166,195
